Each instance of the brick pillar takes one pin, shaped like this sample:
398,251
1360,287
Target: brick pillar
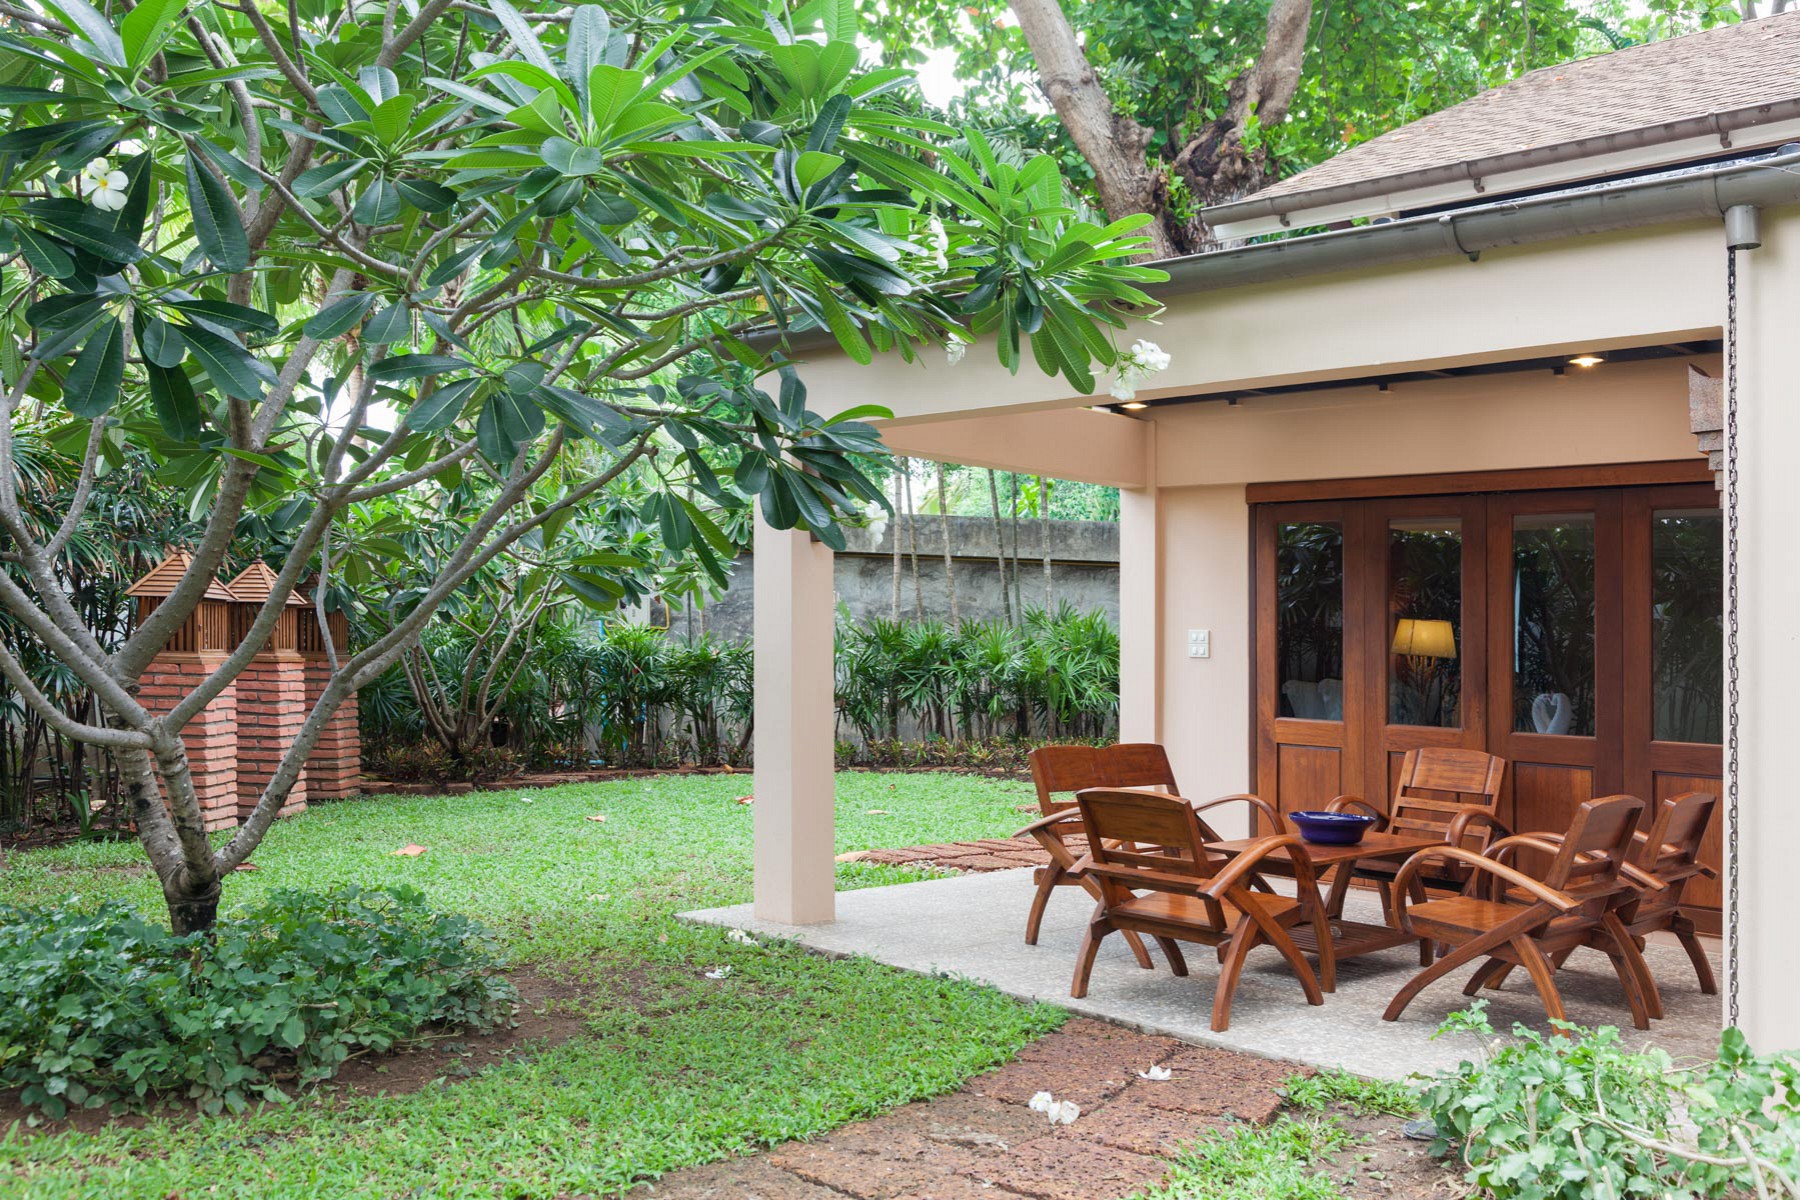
271,708
335,769
211,737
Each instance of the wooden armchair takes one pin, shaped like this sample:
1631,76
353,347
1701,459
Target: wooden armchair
1443,792
1192,895
1061,771
1514,919
1669,855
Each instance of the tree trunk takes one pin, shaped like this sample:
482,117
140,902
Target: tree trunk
899,509
999,547
944,520
1018,570
1112,144
1044,536
912,539
1212,161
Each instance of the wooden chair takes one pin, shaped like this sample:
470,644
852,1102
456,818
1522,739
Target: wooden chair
1193,895
1669,854
1445,792
1513,919
1062,771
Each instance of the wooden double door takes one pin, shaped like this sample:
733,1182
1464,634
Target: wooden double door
1575,631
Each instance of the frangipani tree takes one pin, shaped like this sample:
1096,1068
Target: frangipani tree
312,255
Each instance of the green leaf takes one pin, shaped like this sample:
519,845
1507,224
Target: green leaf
172,398
379,204
83,227
425,194
415,366
92,387
93,26
439,409
45,256
231,316
338,317
232,369
145,27
523,39
388,326
217,224
161,343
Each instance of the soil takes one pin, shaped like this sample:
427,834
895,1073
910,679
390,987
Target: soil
545,1019
1391,1166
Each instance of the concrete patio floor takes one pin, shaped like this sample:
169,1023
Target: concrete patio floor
972,927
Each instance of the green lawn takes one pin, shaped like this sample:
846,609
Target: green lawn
673,1068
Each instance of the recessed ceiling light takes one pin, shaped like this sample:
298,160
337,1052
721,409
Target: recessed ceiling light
1586,360
1134,405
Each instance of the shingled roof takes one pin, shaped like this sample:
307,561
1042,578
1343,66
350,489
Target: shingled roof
161,580
1712,83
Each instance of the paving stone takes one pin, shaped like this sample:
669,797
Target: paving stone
1208,1082
913,1167
1130,1122
735,1179
1070,1168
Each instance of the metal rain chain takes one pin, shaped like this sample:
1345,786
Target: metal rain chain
1741,233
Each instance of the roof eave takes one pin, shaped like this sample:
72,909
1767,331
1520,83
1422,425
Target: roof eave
1721,124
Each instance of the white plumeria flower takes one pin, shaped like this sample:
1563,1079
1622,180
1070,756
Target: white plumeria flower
1155,1074
954,349
742,938
1059,1112
1042,1102
1124,387
940,244
1137,364
106,187
1149,356
718,972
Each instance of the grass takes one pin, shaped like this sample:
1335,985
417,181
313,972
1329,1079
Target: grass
1369,1097
1258,1164
671,1068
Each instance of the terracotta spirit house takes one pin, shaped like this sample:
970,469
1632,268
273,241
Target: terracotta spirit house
335,767
197,648
271,691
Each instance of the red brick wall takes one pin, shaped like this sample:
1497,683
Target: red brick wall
211,737
271,707
335,768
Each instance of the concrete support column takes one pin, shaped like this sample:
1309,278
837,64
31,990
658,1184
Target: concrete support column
795,784
1768,446
1140,615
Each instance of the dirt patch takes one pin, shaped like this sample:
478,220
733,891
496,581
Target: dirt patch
1389,1165
549,1015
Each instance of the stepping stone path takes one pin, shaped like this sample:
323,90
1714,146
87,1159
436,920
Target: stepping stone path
984,1141
989,854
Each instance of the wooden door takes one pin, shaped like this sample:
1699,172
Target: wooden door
1674,630
1423,569
1553,651
1311,671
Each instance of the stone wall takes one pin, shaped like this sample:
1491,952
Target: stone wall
1084,569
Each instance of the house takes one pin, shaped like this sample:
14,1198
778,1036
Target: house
1447,472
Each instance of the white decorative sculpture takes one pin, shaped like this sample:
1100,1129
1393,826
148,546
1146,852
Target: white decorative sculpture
1552,712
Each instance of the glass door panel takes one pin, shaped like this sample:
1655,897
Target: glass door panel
1425,634
1687,625
1309,608
1554,610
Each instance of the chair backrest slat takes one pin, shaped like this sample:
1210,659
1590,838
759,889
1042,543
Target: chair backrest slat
1118,821
1435,781
1596,846
1061,771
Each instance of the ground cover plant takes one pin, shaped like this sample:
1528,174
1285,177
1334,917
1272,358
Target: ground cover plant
669,1067
100,1007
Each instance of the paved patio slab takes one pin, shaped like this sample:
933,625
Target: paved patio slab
972,927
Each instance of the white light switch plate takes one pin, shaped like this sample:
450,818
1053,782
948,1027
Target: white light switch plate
1199,643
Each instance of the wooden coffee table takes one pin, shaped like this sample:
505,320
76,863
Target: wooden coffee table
1348,938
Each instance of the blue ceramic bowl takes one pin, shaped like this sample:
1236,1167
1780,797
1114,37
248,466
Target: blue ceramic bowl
1331,829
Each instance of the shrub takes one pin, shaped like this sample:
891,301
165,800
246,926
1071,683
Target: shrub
101,1007
1581,1116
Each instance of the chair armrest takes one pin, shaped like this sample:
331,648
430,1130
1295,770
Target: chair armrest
1046,821
1560,901
1358,804
1642,878
1245,863
1137,877
1472,814
1257,802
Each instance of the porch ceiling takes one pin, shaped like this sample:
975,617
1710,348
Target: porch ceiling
1068,443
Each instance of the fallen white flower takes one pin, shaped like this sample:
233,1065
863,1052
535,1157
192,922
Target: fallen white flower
741,938
1156,1074
1042,1102
1059,1112
718,972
